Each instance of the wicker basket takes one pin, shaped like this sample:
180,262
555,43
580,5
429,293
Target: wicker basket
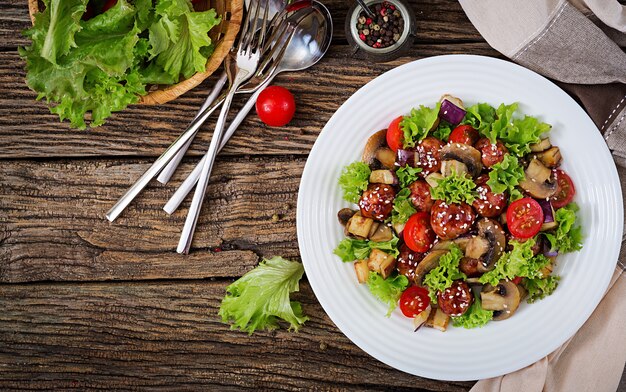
224,35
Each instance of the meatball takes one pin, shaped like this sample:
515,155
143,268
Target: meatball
469,267
489,204
407,261
491,153
428,155
456,299
377,201
451,220
420,195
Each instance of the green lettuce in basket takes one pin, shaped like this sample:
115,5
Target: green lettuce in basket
101,65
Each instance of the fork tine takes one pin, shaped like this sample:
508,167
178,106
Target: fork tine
249,38
282,47
264,26
244,30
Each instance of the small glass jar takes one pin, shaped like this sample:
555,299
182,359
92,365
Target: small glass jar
359,42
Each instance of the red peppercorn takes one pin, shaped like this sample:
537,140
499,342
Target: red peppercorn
368,21
362,36
392,7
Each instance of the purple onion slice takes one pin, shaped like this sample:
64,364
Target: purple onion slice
548,211
406,157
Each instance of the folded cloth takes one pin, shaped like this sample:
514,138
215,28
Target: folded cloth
578,44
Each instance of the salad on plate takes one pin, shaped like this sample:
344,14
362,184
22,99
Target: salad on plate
459,214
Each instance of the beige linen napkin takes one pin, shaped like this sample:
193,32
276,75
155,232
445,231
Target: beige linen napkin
576,43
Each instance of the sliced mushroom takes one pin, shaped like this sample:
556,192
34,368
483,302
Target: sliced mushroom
381,262
381,234
477,246
373,229
491,231
453,167
464,153
383,177
446,244
427,264
504,299
543,145
362,270
550,158
376,141
359,226
538,180
344,215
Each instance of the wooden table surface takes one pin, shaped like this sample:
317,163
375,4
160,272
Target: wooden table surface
89,304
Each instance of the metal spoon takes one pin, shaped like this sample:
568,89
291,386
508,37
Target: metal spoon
308,45
275,6
367,9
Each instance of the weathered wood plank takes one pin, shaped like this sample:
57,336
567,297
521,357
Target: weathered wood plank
27,129
52,224
166,336
438,21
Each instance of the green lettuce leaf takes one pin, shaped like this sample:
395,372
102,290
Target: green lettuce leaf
475,316
407,175
539,288
403,207
418,123
443,131
257,300
179,37
568,235
387,290
454,189
350,249
442,276
61,20
354,180
518,262
480,117
525,131
505,176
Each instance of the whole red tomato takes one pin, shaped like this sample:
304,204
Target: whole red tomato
275,106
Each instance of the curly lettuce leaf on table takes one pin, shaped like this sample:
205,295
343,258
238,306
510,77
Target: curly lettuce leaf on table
257,300
103,64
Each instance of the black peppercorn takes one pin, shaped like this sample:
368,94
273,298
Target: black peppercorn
382,31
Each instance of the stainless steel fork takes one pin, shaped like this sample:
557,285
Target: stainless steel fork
240,65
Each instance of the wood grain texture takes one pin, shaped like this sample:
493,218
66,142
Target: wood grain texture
28,129
438,21
52,224
167,336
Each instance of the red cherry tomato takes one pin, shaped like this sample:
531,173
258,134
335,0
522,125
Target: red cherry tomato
108,5
413,301
565,189
275,106
89,12
464,134
418,235
524,218
517,280
395,135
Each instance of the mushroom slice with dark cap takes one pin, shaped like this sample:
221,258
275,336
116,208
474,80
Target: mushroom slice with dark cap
488,246
429,262
465,154
504,299
538,180
377,153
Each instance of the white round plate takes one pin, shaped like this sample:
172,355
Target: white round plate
536,329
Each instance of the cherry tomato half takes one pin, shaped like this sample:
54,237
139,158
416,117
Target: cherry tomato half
275,106
524,218
565,189
464,134
418,235
413,301
395,135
